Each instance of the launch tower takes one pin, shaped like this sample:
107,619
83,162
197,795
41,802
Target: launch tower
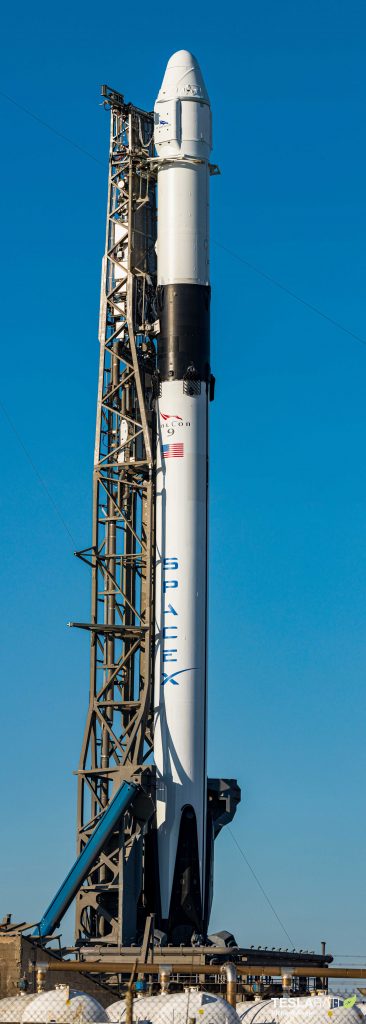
118,736
147,814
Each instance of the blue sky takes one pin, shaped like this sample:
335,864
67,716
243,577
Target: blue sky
288,490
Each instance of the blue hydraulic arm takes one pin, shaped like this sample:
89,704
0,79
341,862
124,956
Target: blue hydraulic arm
79,871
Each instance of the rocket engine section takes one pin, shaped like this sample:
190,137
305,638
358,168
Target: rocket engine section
183,144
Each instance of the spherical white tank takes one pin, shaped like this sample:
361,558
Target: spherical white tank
298,1010
177,1008
257,1010
64,1006
12,1007
115,1010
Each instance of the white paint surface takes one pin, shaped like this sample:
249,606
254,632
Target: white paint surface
183,143
181,620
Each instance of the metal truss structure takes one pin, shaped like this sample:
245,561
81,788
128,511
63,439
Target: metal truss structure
117,741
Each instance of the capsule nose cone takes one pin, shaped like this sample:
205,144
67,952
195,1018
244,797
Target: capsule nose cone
183,79
182,59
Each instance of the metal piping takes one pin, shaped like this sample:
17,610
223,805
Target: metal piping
231,983
80,869
286,981
129,1005
180,967
41,972
165,973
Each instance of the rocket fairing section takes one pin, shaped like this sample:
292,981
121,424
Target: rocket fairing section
183,145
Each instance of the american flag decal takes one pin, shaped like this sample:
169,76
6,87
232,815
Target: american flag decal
173,451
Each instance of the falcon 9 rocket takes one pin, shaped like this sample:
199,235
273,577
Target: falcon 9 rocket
183,145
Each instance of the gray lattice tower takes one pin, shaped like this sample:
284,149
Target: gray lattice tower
118,739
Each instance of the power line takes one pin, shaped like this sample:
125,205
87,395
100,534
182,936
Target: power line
37,473
263,891
241,259
293,295
50,128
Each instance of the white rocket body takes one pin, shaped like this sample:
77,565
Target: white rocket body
183,130
181,620
183,144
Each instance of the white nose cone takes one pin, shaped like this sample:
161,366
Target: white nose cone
182,110
183,79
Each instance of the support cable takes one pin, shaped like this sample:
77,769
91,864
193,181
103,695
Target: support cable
260,886
234,255
293,295
50,128
36,472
